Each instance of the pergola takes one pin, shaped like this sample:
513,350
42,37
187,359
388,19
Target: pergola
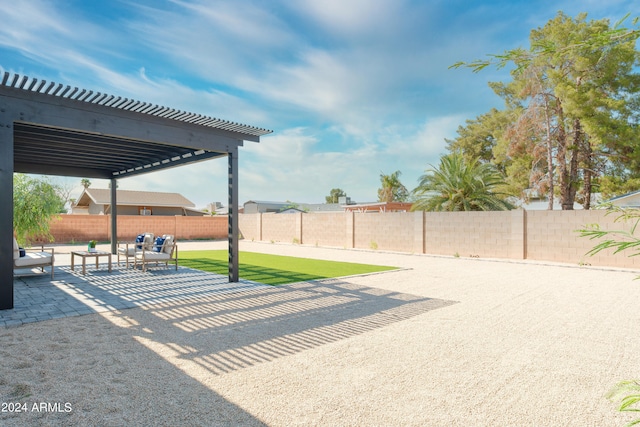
53,129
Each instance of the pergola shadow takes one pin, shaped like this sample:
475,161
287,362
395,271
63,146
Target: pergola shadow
206,313
39,298
193,326
275,321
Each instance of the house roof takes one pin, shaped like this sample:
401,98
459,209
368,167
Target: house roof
380,207
633,194
264,202
133,198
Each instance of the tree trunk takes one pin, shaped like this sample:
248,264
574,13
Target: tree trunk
549,153
572,184
587,172
561,156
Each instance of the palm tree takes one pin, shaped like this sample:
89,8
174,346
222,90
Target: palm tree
460,186
392,189
85,183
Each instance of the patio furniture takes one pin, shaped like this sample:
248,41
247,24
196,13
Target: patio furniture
128,250
86,254
33,258
164,251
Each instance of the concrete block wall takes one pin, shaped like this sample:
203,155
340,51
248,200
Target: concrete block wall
208,227
535,235
324,229
82,228
551,236
250,226
471,234
392,231
280,227
129,226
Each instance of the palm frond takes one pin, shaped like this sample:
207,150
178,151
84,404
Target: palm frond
460,185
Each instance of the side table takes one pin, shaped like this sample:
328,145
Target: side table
86,254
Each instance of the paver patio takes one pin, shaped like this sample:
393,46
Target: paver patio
39,298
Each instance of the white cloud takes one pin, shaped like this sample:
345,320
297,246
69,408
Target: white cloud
351,88
219,41
353,18
292,164
57,37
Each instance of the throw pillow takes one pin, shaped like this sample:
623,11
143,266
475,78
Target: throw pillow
159,242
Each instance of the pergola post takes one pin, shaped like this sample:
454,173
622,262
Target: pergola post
114,216
233,215
6,215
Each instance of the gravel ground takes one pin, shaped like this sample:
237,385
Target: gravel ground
442,342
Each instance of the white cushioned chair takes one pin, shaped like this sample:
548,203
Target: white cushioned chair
128,249
166,253
33,258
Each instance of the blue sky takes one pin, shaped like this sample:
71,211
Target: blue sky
351,88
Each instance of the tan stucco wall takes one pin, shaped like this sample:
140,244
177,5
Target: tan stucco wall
518,234
392,231
535,235
279,227
324,229
82,228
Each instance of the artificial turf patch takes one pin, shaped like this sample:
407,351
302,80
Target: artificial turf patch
275,269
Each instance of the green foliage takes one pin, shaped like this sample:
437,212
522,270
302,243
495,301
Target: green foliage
35,203
458,185
485,139
478,138
392,190
573,107
620,240
628,393
85,183
612,186
334,195
601,40
293,205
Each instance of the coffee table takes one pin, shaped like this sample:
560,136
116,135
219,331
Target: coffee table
86,254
